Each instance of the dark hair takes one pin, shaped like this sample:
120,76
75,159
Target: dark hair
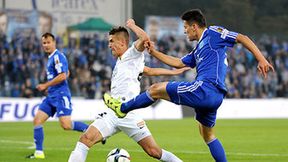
46,35
120,30
194,15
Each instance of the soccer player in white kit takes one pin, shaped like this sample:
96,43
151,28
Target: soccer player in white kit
125,85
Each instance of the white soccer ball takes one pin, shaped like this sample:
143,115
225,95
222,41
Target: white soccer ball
118,155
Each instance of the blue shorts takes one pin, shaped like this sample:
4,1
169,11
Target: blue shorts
59,104
203,96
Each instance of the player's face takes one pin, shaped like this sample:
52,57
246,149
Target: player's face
48,45
116,45
190,31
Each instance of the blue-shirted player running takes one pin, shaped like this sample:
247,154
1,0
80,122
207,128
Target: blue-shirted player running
206,93
58,99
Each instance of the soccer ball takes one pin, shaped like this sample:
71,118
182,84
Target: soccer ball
118,155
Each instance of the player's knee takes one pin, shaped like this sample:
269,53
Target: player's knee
37,121
207,137
85,136
154,90
154,152
88,139
206,133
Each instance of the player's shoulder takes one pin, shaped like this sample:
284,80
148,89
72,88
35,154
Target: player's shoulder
217,29
59,54
222,32
132,52
59,57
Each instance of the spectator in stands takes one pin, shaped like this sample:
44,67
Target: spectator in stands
3,22
45,23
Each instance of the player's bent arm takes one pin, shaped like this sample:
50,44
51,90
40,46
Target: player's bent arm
140,33
58,79
169,60
160,71
263,66
250,45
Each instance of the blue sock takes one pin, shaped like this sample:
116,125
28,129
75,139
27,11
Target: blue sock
217,150
141,101
39,137
79,126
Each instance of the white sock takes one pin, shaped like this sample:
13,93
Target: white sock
79,154
38,152
169,157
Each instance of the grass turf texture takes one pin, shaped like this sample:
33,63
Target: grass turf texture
259,140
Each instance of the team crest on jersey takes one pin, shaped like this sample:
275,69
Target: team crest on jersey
56,59
198,58
219,30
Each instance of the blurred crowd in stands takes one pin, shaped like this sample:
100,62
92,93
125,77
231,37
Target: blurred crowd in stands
22,66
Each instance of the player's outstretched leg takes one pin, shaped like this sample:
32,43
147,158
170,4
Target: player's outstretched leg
141,101
114,105
217,150
215,146
121,109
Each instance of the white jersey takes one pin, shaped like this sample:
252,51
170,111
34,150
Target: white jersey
124,85
125,82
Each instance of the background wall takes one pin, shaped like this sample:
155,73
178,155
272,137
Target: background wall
18,110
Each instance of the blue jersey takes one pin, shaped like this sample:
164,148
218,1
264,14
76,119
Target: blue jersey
209,56
57,63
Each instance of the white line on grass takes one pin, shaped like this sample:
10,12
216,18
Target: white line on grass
235,153
256,154
183,152
17,142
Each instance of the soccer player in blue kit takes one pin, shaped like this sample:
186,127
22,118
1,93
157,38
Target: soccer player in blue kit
58,99
206,93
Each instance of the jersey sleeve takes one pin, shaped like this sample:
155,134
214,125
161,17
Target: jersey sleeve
134,50
223,36
60,63
189,60
141,67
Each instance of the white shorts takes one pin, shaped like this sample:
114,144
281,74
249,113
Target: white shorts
133,125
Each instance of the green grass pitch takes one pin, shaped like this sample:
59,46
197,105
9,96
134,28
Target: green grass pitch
259,140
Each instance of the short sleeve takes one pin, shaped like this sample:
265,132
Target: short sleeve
61,64
134,50
189,60
223,36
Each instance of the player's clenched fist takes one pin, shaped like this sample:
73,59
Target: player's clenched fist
41,87
130,22
150,46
